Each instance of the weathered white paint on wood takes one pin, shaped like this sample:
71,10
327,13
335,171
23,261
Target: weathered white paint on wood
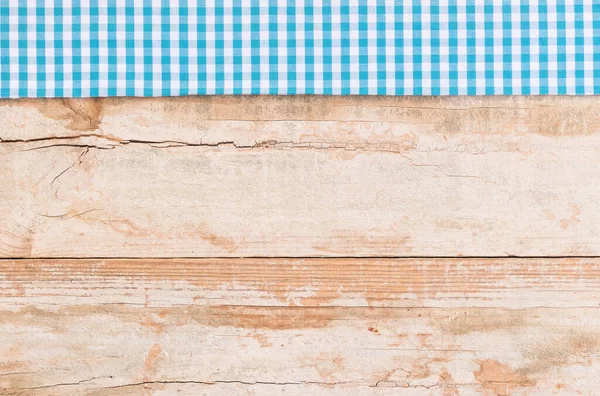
298,176
397,283
263,327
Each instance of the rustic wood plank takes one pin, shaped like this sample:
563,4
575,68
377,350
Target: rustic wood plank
400,283
324,326
300,176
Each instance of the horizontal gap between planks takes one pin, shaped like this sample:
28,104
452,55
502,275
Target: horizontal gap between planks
291,257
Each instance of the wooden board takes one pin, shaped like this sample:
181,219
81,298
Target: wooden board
300,245
298,326
298,176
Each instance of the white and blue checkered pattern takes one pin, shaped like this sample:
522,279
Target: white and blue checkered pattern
81,48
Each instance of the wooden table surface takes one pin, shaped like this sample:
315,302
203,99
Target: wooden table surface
300,245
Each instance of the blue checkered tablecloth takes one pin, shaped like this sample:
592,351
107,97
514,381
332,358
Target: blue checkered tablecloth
81,48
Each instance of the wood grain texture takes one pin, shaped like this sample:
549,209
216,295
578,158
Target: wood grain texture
319,326
300,176
98,196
